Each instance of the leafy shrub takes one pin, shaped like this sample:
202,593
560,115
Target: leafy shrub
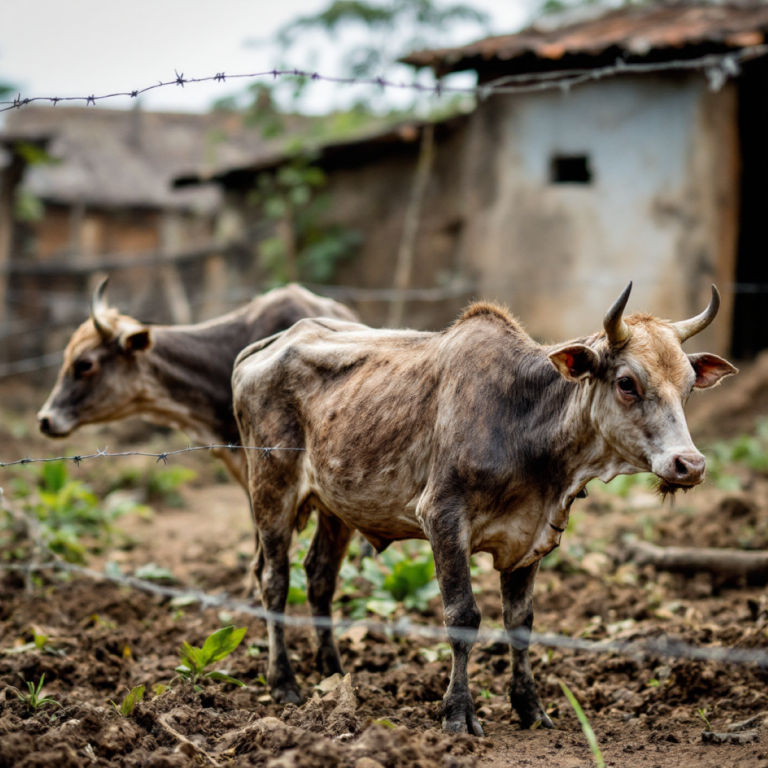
73,521
398,576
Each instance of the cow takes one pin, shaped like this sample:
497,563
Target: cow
175,376
475,438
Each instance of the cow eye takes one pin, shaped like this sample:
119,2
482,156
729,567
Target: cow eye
83,368
627,386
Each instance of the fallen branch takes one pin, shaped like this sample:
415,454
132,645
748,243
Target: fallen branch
724,562
745,737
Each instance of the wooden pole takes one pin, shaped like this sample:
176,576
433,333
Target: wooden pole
9,180
404,264
170,244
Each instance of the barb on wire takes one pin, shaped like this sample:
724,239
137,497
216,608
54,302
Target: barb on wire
164,456
45,559
717,66
639,649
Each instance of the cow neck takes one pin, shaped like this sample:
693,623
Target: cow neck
192,368
592,456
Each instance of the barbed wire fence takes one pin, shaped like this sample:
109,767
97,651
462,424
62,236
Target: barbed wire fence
43,558
718,68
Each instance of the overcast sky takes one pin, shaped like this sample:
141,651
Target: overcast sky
80,47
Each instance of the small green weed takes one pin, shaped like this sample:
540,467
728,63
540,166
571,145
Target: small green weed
702,713
33,699
128,704
195,661
73,520
163,484
747,451
585,726
438,652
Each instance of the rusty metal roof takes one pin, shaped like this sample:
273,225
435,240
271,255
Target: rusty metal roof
630,32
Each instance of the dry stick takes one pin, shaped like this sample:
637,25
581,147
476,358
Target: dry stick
183,740
724,562
411,225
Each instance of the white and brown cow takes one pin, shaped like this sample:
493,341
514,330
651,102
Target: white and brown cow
476,439
176,376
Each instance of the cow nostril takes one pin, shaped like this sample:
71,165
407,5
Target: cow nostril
681,467
45,424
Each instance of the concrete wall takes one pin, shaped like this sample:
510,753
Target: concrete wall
661,209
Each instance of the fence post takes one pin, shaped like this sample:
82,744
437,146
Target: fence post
170,245
404,265
10,176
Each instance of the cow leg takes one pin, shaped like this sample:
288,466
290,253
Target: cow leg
326,553
275,574
517,606
460,612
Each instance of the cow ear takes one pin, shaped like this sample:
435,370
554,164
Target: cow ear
710,369
575,362
136,339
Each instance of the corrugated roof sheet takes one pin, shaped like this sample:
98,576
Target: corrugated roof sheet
630,31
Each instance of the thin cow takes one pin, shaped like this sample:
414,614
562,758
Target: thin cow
475,438
176,376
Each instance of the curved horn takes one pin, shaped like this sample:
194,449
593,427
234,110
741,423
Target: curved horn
688,328
615,328
99,308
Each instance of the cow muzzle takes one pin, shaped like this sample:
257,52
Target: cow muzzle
681,469
53,425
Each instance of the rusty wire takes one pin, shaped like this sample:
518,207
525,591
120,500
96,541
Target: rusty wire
99,454
719,67
665,646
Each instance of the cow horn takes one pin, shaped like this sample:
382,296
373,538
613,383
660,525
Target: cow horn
688,328
615,328
99,310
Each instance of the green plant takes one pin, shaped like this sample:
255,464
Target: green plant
73,521
33,700
438,652
398,576
585,726
303,247
217,646
163,484
746,451
702,713
128,704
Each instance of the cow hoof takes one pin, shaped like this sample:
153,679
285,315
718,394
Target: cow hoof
541,718
526,704
327,662
467,724
286,694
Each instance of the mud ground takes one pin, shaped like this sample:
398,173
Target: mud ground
104,640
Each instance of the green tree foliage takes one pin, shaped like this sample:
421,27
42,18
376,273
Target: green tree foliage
302,247
386,29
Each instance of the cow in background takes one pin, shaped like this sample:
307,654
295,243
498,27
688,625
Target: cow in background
176,376
476,439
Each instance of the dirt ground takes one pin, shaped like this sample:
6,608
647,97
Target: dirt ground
105,639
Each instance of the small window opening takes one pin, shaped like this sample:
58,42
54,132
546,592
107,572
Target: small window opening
570,169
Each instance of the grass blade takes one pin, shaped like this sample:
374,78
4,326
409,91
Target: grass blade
585,726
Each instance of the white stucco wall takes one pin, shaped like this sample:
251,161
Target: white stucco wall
660,209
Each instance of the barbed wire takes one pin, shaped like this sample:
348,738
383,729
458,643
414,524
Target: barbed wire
164,456
718,67
664,646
